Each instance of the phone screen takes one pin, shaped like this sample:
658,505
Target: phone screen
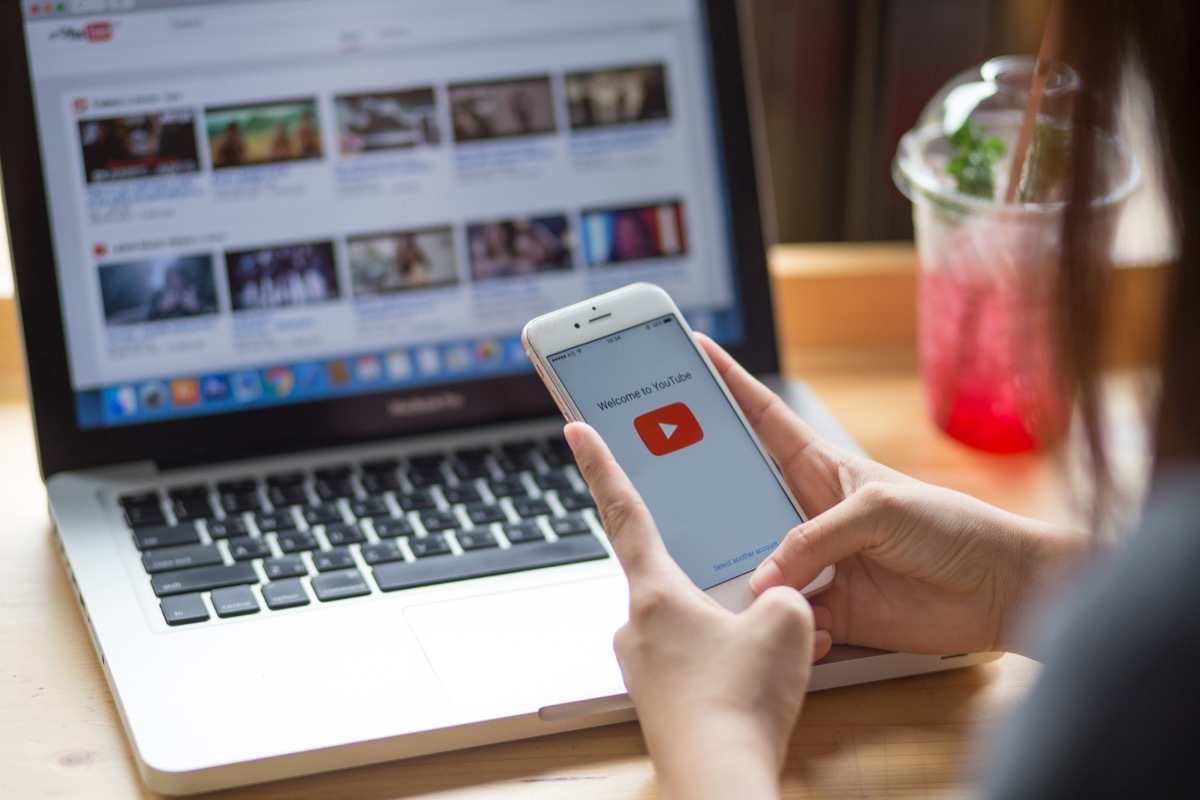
649,394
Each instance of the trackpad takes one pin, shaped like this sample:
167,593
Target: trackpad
515,652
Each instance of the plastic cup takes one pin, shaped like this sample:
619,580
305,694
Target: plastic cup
986,283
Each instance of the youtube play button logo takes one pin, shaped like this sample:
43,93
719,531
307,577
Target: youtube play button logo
667,429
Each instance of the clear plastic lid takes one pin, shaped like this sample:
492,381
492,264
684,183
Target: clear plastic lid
960,152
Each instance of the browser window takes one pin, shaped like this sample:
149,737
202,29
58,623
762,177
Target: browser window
278,202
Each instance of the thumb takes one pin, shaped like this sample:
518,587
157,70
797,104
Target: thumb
627,521
847,528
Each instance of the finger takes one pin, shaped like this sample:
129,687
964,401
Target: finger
848,528
808,461
785,615
822,644
627,521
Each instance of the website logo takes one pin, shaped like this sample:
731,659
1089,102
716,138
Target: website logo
94,32
98,31
668,429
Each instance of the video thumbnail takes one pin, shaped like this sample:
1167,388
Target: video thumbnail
617,96
522,246
278,277
395,262
264,133
119,148
502,109
158,289
617,235
386,121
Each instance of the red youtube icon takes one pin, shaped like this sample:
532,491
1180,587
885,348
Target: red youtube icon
667,429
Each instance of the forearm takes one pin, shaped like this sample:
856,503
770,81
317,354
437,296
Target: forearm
715,758
1051,557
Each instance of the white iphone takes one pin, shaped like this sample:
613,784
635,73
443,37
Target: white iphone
626,363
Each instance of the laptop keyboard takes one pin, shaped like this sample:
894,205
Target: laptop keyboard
293,539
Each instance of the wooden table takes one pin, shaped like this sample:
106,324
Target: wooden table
60,735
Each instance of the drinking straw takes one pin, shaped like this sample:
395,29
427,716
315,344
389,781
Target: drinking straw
1047,54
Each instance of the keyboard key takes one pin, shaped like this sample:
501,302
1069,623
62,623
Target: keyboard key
478,539
285,479
369,507
391,528
469,470
576,501
417,500
185,492
431,545
438,520
381,553
484,513
380,466
377,483
570,525
225,528
406,575
472,455
166,536
284,567
552,480
337,473
139,499
339,585
323,514
281,496
557,453
238,486
199,579
508,486
144,516
237,502
186,508
234,601
334,489
329,560
463,493
183,609
284,594
516,456
343,534
189,555
245,548
530,506
522,532
295,541
274,520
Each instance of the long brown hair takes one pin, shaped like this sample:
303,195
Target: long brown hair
1105,40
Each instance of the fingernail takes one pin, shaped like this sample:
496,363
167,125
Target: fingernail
767,575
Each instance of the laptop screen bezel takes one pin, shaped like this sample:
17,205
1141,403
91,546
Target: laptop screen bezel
63,445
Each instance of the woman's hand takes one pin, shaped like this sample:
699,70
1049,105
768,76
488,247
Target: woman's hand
717,693
919,568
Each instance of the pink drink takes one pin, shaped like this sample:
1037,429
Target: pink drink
985,361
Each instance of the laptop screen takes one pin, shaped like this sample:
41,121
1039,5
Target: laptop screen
263,203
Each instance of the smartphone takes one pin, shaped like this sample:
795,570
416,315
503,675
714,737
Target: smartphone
626,363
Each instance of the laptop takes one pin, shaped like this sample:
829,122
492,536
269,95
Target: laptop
272,261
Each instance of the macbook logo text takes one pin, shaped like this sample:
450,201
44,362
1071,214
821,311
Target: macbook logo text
422,405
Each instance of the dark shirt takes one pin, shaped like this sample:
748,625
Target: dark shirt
1116,712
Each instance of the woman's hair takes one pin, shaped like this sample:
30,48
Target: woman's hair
1107,41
